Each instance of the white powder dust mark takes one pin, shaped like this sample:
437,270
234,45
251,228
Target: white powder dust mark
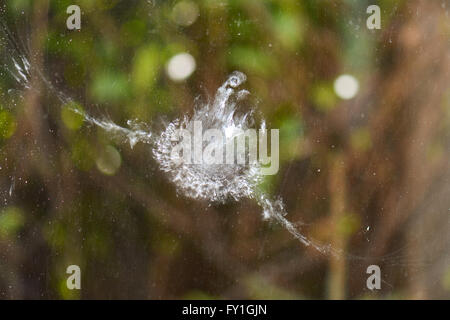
132,136
217,182
212,182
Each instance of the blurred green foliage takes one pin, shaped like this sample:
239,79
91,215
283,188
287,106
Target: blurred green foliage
11,220
7,124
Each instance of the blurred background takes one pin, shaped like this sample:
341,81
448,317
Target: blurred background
364,119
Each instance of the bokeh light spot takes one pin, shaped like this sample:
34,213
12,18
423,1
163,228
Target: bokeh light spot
109,161
185,13
346,86
180,66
